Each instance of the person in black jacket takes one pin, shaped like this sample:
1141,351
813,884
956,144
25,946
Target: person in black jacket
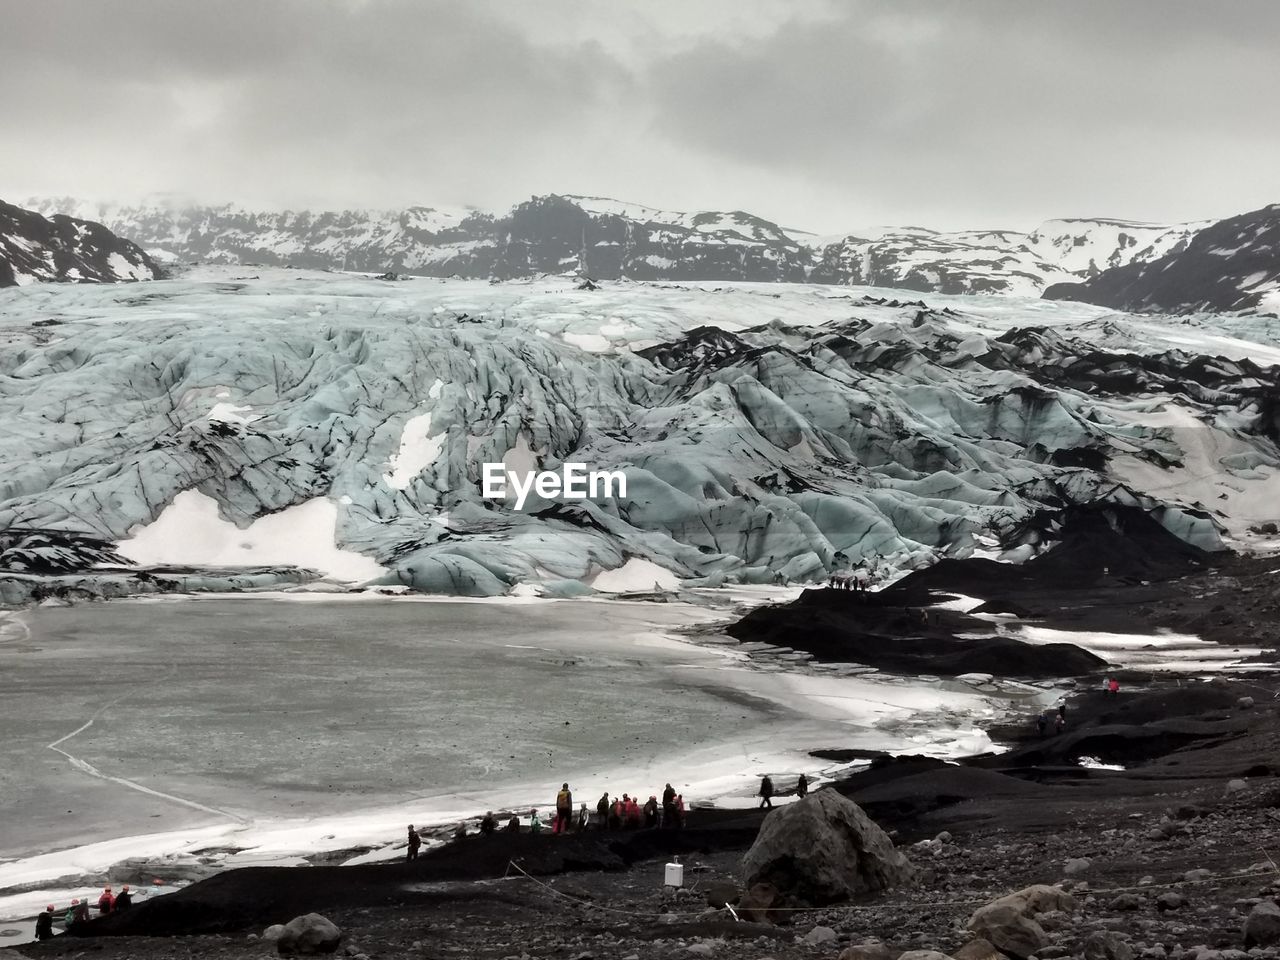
123,899
651,813
669,807
766,793
44,924
802,787
415,842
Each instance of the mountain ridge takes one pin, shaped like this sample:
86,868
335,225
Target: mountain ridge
612,239
35,248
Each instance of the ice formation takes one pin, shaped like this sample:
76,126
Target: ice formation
766,431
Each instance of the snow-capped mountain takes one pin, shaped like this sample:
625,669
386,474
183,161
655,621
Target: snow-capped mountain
34,248
994,261
558,235
1233,264
609,239
764,429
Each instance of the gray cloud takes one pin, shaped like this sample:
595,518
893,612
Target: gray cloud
824,114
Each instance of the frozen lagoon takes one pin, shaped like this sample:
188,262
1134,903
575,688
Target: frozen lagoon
283,727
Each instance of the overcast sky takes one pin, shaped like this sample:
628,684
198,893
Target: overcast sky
819,114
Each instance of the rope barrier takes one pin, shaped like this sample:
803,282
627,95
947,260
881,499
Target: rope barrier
859,908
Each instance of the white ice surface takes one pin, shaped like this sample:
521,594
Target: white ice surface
190,532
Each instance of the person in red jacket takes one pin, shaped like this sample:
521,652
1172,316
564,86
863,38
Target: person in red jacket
106,901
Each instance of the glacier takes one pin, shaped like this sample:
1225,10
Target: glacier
225,429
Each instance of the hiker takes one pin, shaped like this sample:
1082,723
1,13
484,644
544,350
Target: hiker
124,899
802,787
583,817
1113,687
1062,712
44,924
461,832
679,811
106,901
513,825
76,914
766,793
634,818
535,824
651,813
1042,725
564,810
615,814
668,807
602,811
1060,724
489,825
415,842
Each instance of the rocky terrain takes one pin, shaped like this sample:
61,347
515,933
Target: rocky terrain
1233,264
36,248
609,239
1154,816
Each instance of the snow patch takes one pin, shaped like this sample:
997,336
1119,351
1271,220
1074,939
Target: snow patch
190,532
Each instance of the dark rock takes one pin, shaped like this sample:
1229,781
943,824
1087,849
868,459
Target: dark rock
1126,901
1106,945
1262,926
759,902
824,849
877,951
720,893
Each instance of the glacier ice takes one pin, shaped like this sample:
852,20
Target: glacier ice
765,430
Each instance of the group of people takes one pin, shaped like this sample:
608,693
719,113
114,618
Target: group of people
1059,721
78,912
1112,688
616,813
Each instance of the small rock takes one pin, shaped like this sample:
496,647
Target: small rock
1196,875
1008,930
1076,866
1169,900
700,949
1236,786
943,837
976,949
874,950
1244,703
758,902
1107,946
1126,901
923,955
819,935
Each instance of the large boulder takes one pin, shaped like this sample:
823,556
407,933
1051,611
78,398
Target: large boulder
309,934
1262,927
1008,929
824,849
